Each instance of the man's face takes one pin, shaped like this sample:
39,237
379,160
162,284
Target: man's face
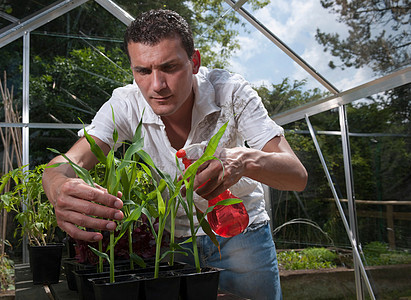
164,74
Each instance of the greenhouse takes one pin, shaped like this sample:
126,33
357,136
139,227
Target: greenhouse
335,75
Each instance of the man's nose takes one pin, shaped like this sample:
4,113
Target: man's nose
159,81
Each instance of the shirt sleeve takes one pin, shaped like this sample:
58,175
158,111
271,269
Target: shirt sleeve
102,126
253,122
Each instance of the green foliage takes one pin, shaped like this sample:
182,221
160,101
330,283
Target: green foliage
286,95
189,206
90,24
378,34
381,164
34,213
117,175
310,258
377,253
75,86
320,254
6,273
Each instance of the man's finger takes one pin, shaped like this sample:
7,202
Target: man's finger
90,222
83,207
83,191
79,234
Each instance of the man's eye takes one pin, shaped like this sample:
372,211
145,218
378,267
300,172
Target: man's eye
169,68
144,71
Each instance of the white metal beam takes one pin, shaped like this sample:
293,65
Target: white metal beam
8,17
373,87
116,11
32,22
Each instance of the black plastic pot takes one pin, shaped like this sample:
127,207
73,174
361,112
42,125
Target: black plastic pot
199,286
45,262
149,288
165,287
125,287
85,286
70,265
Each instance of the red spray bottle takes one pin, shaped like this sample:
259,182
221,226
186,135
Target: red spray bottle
225,220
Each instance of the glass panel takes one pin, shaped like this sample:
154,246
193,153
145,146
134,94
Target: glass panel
61,70
41,139
296,23
21,9
380,146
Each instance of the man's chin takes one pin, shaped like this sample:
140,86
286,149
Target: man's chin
163,111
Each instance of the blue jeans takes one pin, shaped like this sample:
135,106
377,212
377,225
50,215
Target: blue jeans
248,260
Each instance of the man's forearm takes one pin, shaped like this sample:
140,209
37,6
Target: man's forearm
281,171
276,166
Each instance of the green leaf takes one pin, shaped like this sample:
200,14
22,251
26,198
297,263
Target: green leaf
95,148
137,259
134,216
115,132
160,203
80,171
128,202
207,228
146,169
212,145
137,134
171,251
224,202
100,254
147,213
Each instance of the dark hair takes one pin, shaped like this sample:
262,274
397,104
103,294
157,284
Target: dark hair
153,26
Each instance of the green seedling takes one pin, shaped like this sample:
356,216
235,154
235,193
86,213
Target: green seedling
35,215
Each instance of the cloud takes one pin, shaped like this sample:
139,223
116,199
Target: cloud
358,77
295,23
250,46
341,79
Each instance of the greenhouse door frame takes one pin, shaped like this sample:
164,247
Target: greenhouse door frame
22,28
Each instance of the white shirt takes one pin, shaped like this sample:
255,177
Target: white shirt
219,97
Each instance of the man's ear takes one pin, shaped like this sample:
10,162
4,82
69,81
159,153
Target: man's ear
196,61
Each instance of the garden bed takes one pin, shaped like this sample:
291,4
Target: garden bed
389,282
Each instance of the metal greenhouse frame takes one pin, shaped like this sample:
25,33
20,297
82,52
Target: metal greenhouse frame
338,100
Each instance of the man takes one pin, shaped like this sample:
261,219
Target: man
184,104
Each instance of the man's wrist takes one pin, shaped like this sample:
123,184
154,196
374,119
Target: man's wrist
250,161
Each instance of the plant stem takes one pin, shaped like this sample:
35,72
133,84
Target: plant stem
111,256
100,259
193,233
172,228
158,248
130,245
196,257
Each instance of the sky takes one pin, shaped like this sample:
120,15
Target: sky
295,23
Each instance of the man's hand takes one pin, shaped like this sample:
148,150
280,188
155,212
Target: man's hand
219,175
76,204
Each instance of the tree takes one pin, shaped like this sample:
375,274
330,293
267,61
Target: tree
287,95
213,34
378,34
70,74
381,164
